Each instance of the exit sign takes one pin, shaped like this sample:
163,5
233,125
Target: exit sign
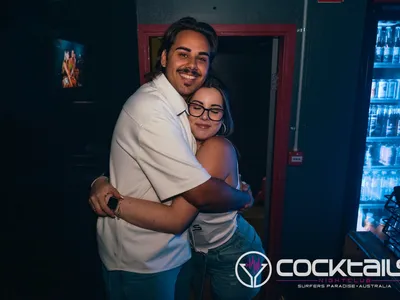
330,1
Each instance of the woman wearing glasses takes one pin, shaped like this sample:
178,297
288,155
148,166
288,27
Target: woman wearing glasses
218,240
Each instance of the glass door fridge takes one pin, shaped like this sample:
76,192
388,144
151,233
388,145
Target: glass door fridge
381,171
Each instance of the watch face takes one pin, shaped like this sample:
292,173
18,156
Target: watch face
112,203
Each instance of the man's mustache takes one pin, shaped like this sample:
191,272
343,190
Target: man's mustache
188,71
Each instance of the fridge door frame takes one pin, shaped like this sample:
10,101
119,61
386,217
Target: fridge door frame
375,13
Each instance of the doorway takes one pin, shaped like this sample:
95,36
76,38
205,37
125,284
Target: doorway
239,45
244,65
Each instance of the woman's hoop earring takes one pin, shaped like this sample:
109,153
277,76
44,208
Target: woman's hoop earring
224,128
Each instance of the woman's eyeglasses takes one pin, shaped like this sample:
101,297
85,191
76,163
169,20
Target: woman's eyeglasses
197,110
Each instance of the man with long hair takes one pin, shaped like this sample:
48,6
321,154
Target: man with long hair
153,157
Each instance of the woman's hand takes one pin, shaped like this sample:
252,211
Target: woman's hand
101,191
245,187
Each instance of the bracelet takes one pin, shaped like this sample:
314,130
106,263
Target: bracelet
101,176
117,211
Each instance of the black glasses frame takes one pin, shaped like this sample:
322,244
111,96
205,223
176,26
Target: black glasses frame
205,109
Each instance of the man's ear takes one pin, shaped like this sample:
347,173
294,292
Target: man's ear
164,58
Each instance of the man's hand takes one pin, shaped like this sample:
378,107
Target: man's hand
101,191
246,188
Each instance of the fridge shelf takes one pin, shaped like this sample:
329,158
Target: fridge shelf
386,66
383,168
372,204
388,23
383,139
388,101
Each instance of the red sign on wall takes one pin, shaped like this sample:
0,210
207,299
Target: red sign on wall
330,1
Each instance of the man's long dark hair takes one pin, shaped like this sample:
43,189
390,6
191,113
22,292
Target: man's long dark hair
187,23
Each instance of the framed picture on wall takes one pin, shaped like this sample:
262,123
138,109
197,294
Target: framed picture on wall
69,63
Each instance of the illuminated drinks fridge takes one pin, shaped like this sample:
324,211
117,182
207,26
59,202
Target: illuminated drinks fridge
381,170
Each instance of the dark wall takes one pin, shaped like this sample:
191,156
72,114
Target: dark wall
314,195
50,248
28,118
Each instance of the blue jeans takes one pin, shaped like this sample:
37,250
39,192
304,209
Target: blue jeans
122,285
219,265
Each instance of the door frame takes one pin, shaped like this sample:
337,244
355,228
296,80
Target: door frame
287,52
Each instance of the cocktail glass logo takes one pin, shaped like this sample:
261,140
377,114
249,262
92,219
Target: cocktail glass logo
253,264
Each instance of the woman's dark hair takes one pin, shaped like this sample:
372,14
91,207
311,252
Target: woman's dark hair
187,23
213,82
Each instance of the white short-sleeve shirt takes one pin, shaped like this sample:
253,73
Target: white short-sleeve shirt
153,158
